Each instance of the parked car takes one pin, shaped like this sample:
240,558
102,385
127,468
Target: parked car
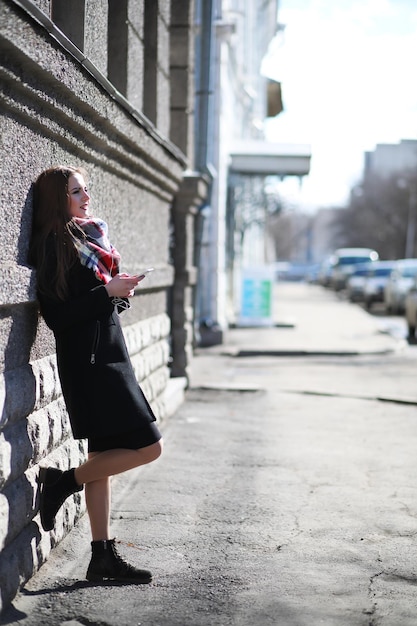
398,284
411,309
375,282
345,260
293,272
325,271
312,275
356,282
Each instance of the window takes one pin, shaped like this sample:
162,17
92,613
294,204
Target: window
151,57
117,41
68,16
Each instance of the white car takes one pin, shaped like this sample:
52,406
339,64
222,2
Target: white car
376,279
356,283
399,283
344,262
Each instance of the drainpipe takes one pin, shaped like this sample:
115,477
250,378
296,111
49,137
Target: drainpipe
203,136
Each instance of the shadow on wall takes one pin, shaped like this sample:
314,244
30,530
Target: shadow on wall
19,535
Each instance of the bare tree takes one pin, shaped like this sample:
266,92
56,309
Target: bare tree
380,214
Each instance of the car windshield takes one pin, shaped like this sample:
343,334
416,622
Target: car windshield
409,272
352,260
383,271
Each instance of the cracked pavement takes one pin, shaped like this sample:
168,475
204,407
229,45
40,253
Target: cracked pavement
286,494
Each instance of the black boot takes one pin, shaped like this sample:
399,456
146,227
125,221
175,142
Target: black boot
107,564
56,486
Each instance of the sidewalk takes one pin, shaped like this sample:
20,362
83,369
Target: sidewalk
313,322
285,495
309,319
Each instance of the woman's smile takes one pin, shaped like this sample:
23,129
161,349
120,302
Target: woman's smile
78,197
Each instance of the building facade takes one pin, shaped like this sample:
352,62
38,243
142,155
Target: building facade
107,85
234,234
241,32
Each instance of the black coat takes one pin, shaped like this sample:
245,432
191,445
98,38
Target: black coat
101,392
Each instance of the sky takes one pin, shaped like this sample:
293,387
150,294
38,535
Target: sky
347,71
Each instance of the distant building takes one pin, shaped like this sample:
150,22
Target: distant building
324,233
389,158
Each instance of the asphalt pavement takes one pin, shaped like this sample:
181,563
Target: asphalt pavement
286,493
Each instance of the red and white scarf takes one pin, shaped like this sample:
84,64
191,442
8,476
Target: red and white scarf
95,250
97,253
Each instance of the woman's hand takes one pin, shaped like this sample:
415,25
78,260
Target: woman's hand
122,285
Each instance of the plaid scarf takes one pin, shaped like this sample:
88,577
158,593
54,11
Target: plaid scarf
95,250
97,253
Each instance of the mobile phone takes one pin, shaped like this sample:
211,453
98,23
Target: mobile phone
144,272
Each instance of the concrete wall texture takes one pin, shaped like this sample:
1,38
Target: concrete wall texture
59,106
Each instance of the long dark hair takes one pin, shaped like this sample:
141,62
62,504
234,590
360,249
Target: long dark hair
52,226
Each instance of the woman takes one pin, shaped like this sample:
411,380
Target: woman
80,292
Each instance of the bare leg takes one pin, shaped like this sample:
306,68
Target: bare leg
111,462
98,498
96,472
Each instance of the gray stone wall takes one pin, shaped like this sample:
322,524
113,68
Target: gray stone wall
54,110
190,196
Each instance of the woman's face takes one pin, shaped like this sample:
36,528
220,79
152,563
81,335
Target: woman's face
78,198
